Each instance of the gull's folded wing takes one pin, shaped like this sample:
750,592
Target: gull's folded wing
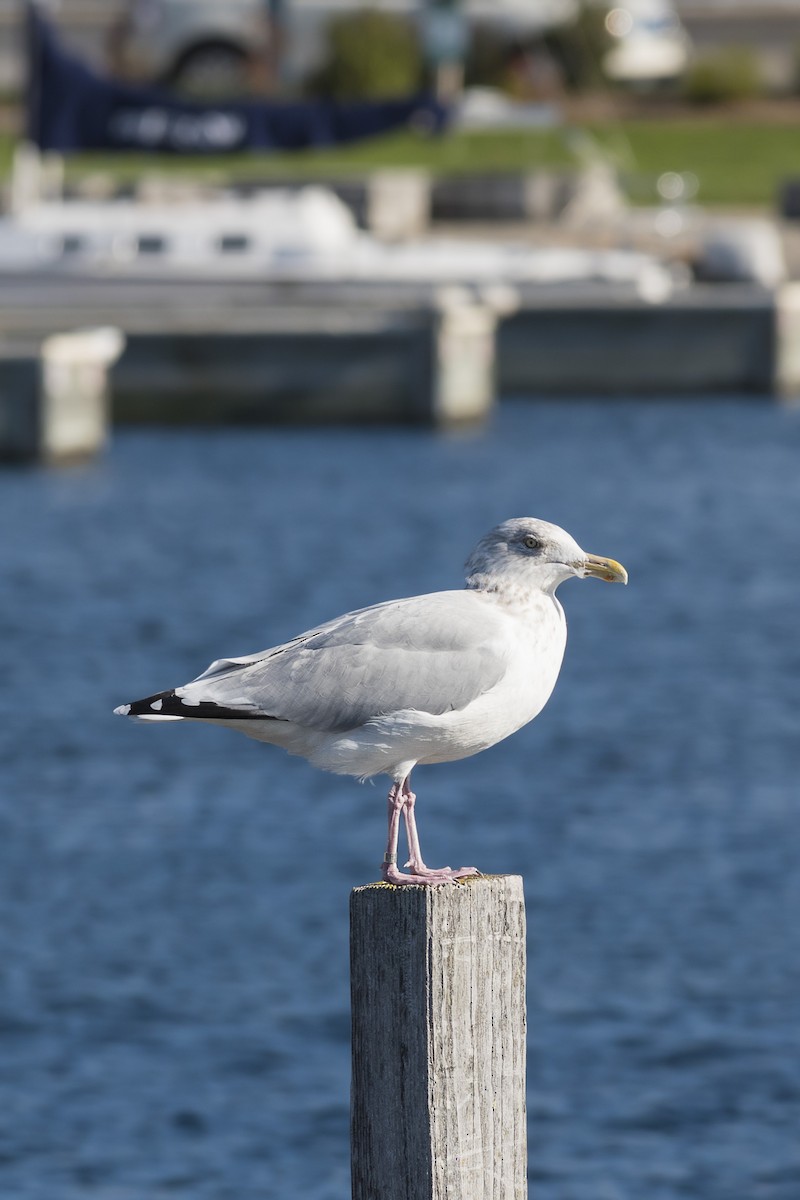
431,653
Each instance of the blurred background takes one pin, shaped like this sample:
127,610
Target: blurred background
297,300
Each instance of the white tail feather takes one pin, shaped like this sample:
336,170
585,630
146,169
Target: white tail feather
157,717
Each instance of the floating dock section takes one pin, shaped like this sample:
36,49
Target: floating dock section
430,365
706,338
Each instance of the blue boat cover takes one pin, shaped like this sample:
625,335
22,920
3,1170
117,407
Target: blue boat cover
72,107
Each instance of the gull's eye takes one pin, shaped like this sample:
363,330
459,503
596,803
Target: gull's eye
531,542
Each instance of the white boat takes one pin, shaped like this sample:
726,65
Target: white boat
288,235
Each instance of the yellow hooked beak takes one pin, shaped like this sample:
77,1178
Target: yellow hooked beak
604,568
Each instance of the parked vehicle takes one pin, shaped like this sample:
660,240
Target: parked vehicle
202,48
210,47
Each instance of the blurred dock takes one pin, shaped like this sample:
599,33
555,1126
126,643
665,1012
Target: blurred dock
280,306
325,352
237,352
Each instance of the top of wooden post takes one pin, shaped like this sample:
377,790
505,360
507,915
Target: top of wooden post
469,881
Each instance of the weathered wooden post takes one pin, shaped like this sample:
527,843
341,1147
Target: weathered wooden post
438,1008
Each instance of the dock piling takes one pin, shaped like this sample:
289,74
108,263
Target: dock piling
54,395
438,1011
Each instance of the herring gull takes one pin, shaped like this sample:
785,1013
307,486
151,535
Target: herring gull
426,679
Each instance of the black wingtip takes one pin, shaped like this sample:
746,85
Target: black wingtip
169,704
165,704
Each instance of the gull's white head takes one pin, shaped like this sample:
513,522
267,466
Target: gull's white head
526,554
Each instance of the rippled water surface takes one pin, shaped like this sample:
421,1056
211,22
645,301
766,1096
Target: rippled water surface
173,901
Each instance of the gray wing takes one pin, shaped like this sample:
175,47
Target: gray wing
432,653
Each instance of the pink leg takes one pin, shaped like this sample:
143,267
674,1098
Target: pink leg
414,851
402,799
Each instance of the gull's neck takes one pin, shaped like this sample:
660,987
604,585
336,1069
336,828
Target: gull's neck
511,591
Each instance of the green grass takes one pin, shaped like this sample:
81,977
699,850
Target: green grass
736,163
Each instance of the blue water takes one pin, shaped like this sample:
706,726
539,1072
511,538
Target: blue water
173,900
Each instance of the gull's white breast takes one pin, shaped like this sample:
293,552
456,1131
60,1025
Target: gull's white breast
537,635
